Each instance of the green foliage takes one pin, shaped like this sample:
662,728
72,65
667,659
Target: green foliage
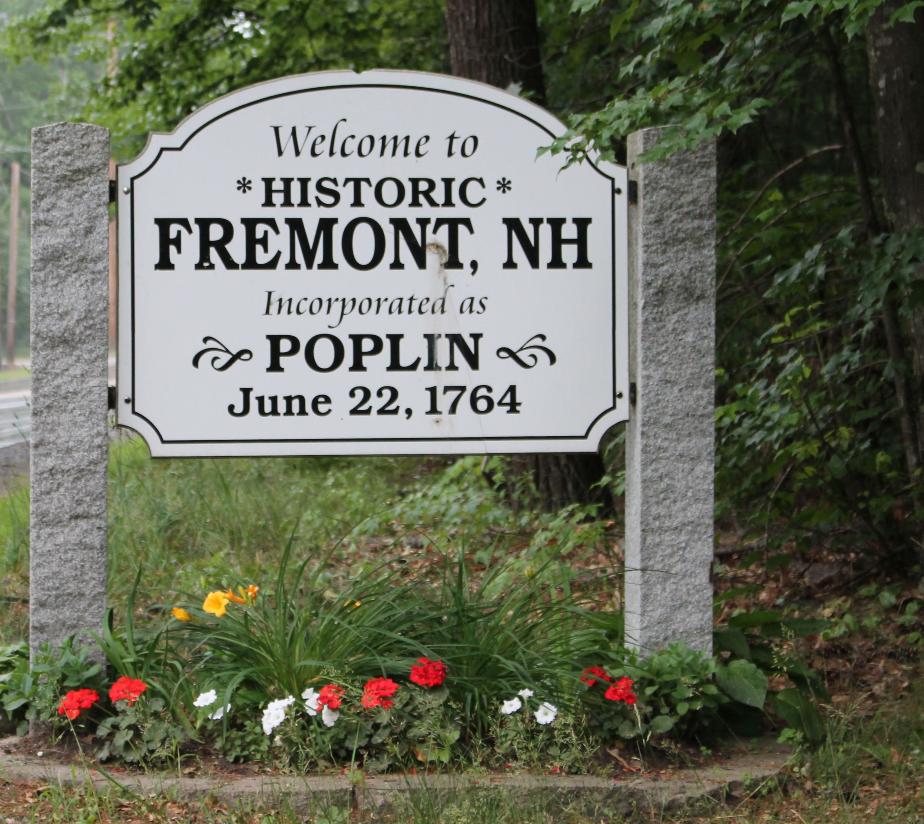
170,58
877,611
141,733
149,654
867,739
679,695
32,694
567,744
810,449
492,633
218,515
244,740
14,528
800,714
460,497
756,646
701,68
420,729
742,681
829,446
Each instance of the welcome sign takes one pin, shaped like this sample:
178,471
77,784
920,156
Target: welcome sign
372,263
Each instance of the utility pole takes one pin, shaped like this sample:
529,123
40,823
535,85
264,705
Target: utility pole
11,265
112,69
113,268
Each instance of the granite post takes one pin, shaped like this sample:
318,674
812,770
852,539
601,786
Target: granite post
670,437
70,347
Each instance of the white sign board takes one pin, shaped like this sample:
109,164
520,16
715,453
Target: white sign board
372,263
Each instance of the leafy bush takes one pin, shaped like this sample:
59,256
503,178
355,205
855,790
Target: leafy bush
676,691
753,639
141,733
31,694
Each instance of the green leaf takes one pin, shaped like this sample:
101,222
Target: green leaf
732,640
887,598
662,724
803,8
758,618
743,682
627,730
800,713
806,626
583,6
906,13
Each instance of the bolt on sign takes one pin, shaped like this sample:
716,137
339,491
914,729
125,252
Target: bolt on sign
377,263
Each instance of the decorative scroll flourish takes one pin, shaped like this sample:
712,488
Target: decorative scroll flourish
218,352
526,355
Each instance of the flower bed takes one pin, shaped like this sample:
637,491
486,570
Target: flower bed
386,673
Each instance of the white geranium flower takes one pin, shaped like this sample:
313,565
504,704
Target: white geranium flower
206,699
275,713
329,716
220,713
525,693
546,713
511,706
310,697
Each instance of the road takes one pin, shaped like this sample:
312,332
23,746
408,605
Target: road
16,416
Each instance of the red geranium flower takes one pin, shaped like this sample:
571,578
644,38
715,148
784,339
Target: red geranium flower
126,689
621,691
427,673
77,700
595,675
377,693
330,696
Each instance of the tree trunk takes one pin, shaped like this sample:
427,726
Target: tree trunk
896,68
896,65
891,324
497,42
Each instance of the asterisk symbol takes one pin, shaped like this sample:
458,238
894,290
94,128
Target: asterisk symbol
244,185
504,185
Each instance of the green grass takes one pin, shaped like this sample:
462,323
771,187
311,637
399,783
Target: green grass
14,374
14,562
191,523
867,771
194,525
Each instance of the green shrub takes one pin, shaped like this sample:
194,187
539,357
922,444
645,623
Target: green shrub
678,692
32,694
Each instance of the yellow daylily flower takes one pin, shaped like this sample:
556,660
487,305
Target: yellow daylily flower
216,603
180,614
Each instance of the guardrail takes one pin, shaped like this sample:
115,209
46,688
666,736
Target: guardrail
15,418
